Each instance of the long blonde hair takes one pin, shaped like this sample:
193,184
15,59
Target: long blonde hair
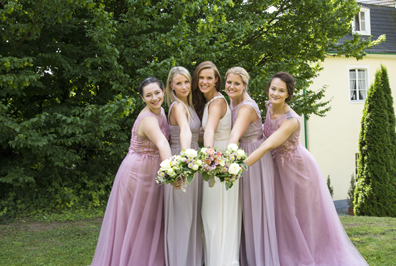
171,95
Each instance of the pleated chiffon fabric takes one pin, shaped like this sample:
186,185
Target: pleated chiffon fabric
258,238
183,223
132,228
308,228
221,209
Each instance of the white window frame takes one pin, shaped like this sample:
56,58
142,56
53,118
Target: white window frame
361,67
367,22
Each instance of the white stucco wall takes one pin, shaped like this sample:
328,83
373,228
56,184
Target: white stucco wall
333,140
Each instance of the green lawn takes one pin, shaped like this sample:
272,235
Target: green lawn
73,243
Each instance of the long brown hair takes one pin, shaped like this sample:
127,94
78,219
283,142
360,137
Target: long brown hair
199,98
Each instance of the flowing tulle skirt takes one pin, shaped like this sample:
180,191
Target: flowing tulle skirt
308,228
221,218
183,223
258,240
132,228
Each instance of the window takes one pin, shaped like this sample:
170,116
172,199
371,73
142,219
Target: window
357,84
361,22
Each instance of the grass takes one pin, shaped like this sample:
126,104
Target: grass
73,243
374,237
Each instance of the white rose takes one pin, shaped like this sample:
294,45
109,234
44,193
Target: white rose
221,162
165,164
199,162
234,169
203,150
170,172
241,153
190,153
232,147
195,167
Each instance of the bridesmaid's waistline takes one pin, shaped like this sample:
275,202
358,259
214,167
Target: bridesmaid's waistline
251,140
150,155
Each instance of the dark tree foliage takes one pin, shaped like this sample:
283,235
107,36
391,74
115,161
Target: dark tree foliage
374,192
392,128
69,72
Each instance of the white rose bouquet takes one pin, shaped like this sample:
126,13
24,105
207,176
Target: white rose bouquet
186,164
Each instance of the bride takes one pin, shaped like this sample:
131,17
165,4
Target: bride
221,209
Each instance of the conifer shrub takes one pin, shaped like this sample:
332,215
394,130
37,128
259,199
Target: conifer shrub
351,191
329,186
374,193
392,132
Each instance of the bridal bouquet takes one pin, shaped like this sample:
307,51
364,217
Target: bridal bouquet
233,157
212,164
221,167
186,164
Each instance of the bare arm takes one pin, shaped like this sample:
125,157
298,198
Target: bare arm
246,116
178,114
150,128
288,127
215,112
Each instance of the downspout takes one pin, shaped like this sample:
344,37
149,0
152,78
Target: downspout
305,127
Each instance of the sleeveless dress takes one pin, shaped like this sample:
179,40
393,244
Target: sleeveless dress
308,228
183,224
258,238
132,228
221,209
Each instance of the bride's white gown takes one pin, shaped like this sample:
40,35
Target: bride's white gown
221,209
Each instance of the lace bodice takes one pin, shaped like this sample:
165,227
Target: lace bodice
224,127
195,124
254,132
291,144
144,145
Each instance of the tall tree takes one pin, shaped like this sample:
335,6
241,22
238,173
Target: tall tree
392,134
69,72
374,192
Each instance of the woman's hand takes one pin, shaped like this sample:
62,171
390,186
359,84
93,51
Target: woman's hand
178,183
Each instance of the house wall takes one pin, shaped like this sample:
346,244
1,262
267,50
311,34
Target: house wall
333,140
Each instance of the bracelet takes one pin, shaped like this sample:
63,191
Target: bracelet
244,166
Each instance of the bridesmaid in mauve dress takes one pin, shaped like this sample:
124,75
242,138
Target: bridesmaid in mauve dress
258,239
221,209
183,224
308,229
132,228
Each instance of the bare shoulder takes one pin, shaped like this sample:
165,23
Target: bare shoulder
218,103
291,123
178,107
148,123
246,109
